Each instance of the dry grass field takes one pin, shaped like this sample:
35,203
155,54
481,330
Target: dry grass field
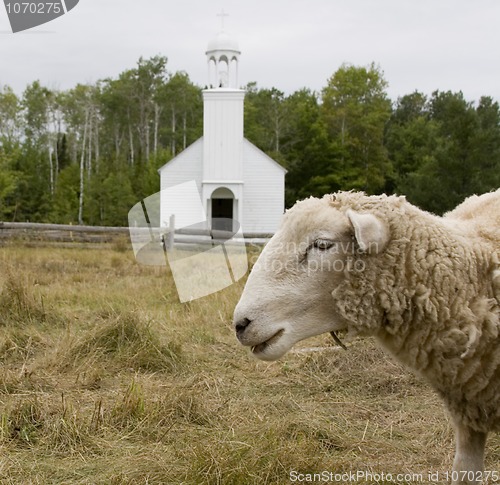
107,379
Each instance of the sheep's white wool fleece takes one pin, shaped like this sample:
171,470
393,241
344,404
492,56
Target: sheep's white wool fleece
432,297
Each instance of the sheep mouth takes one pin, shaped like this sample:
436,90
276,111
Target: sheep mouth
259,348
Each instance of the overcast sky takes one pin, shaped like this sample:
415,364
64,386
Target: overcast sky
289,44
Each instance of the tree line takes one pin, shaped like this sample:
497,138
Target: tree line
87,154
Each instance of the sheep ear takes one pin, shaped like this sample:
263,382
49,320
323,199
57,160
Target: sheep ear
370,232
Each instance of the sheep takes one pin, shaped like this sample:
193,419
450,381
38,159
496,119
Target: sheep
426,287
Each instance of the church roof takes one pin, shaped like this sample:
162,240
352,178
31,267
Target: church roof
264,155
193,146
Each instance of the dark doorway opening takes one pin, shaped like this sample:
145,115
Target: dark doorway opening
222,214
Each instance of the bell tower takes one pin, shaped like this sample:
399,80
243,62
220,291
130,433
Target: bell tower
223,122
223,55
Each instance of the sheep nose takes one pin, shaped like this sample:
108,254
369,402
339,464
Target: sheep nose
241,325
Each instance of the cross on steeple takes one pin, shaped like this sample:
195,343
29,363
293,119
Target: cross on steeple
222,14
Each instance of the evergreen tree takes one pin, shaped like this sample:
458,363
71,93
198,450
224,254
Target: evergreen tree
456,155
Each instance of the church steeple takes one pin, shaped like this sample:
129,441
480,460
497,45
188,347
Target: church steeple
223,112
223,56
236,181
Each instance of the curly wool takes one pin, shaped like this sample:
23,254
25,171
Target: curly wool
432,297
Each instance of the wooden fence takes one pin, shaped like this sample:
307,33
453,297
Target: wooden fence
29,231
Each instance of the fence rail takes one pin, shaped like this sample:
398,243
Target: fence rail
61,232
33,231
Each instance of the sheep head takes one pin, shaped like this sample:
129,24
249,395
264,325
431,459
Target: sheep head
288,295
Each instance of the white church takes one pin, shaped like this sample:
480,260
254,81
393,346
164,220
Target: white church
235,179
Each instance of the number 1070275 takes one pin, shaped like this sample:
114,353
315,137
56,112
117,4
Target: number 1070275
34,7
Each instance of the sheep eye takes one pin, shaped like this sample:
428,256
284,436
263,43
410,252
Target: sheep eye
320,245
323,244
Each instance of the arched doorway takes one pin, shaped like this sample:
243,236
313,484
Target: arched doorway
222,209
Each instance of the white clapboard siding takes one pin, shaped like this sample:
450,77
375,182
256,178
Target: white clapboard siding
263,191
185,167
222,133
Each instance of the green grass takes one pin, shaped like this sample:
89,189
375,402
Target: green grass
107,379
